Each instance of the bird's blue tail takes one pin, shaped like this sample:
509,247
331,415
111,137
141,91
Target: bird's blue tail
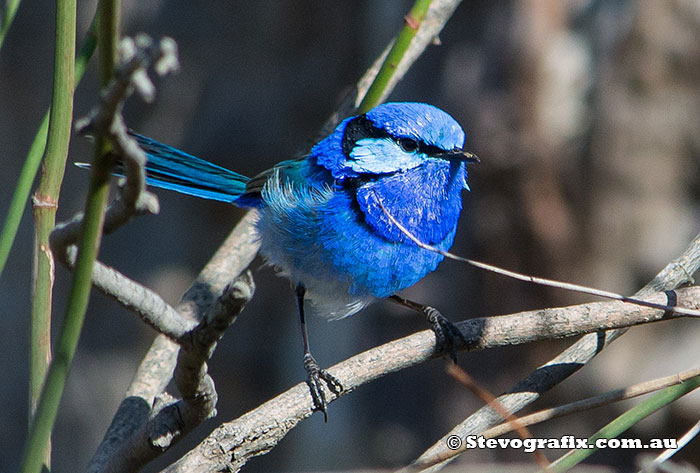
170,168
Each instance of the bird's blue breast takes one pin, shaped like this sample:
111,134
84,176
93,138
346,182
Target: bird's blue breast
382,259
425,200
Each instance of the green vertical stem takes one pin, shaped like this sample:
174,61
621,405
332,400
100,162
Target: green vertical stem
7,19
108,38
107,44
37,452
78,298
412,22
40,355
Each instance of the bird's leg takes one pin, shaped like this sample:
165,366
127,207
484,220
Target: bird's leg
313,371
447,336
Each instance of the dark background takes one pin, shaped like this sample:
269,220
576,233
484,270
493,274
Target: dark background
586,115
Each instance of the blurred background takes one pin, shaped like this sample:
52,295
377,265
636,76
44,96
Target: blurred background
586,115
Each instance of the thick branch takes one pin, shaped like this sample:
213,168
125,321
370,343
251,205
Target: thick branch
175,418
258,431
156,369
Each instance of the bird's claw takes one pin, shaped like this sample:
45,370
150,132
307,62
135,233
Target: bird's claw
447,336
314,376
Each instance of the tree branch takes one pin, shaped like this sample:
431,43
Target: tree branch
133,199
675,274
156,370
232,444
171,419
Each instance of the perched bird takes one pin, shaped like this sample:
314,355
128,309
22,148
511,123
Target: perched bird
323,219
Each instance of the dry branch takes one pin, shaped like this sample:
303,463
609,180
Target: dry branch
171,418
232,444
156,370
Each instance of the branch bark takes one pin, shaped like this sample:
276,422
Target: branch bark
156,369
171,418
232,444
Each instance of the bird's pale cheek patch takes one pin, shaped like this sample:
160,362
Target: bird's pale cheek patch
382,156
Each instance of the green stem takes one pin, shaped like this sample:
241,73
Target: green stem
78,298
40,338
37,450
625,421
411,24
10,12
33,159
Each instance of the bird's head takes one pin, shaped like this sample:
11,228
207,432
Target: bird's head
390,138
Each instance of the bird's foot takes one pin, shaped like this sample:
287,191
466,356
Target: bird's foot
314,376
447,336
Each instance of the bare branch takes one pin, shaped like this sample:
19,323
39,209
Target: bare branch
171,419
255,433
156,370
133,199
676,273
147,304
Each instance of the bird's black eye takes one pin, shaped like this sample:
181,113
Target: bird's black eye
408,145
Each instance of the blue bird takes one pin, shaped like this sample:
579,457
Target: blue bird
323,219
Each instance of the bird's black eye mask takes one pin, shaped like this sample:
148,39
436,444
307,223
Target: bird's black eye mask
358,129
362,127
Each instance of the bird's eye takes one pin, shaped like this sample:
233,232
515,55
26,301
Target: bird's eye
408,145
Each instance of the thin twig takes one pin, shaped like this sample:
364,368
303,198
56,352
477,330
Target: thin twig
573,407
617,395
625,421
680,444
533,279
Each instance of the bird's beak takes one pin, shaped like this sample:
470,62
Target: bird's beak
460,155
